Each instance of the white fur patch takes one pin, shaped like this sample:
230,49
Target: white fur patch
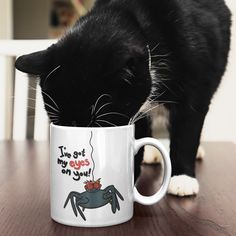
183,185
200,153
151,155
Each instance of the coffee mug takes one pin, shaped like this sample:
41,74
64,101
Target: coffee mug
92,175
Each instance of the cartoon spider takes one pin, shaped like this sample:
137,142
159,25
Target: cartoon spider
94,197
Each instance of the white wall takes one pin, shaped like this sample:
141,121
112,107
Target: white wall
220,123
6,66
5,19
31,19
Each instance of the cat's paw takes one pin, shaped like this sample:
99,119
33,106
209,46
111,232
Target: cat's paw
183,185
200,153
151,155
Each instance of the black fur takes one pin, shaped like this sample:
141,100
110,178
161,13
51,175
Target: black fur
106,52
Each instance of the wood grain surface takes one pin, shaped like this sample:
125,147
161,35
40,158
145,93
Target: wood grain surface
24,197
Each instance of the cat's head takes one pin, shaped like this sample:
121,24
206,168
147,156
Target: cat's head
96,75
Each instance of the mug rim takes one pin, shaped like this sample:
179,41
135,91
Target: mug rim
89,128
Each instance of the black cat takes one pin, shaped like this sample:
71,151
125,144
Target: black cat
125,52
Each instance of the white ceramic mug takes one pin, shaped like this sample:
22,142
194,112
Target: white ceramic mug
92,175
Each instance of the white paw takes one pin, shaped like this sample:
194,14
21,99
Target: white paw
183,185
200,153
151,155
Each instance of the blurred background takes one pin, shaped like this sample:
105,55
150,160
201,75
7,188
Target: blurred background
30,25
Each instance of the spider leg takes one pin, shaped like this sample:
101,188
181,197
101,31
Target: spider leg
117,203
114,203
71,198
73,205
111,192
118,193
67,200
81,213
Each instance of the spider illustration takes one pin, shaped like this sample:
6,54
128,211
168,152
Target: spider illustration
94,197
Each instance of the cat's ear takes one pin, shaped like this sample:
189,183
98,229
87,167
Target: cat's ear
34,63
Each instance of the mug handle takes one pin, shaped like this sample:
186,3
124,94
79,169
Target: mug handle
167,172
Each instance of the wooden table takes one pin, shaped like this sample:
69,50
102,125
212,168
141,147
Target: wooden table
24,197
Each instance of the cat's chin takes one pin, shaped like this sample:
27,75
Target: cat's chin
183,185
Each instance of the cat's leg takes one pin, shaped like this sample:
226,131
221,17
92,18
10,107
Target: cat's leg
153,156
142,129
200,153
185,129
159,120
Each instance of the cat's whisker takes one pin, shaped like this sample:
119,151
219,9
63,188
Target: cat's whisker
144,114
54,120
129,72
161,61
168,88
32,88
32,99
133,119
153,97
52,113
165,79
55,69
103,95
57,117
102,107
139,118
91,121
53,108
55,123
56,108
112,113
47,96
51,99
105,121
127,81
161,55
53,116
97,124
155,47
169,102
92,110
149,103
161,68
